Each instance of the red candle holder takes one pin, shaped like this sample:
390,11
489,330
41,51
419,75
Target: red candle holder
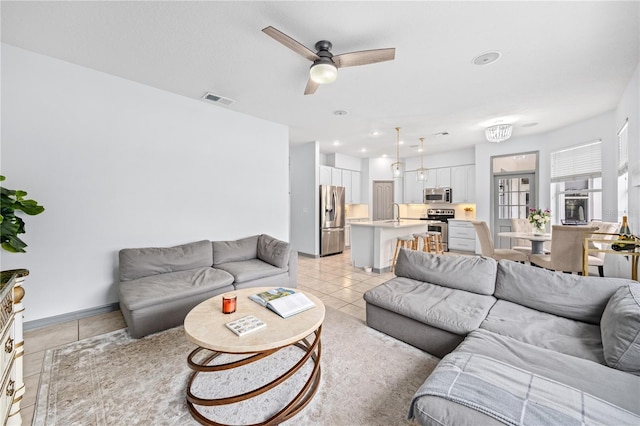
228,303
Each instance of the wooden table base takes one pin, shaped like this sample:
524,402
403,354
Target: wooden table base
311,350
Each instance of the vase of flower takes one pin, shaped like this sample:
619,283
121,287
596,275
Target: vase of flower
538,230
539,218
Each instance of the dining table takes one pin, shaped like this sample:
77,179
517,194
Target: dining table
537,240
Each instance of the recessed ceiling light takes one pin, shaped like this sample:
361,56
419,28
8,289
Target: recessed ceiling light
340,112
363,150
384,155
336,143
529,124
374,133
401,142
487,58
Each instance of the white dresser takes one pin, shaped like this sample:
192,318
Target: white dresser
462,236
11,346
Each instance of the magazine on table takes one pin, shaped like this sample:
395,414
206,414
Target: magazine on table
282,301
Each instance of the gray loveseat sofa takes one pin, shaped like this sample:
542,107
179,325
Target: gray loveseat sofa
520,345
160,285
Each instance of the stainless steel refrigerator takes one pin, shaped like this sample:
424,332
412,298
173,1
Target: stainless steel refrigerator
331,219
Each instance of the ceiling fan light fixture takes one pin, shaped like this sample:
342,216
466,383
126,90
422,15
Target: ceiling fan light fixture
498,133
323,71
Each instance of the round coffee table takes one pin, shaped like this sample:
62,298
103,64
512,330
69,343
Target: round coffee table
205,326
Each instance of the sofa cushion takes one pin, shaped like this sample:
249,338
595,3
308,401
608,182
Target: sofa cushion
273,251
545,330
570,296
143,262
620,327
249,270
156,289
471,273
235,251
453,310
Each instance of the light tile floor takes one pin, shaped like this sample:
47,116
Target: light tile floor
332,279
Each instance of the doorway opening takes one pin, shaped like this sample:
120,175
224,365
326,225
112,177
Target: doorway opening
514,192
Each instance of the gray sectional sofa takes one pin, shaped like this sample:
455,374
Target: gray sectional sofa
520,345
160,285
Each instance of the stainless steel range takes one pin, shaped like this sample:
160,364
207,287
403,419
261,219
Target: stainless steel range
438,222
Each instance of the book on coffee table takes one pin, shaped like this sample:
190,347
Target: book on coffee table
284,302
245,325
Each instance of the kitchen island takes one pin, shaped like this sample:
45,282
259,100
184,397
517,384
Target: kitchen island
373,242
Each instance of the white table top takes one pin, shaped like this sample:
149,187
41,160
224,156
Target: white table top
205,324
526,236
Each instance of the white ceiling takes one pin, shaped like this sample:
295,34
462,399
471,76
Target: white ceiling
561,61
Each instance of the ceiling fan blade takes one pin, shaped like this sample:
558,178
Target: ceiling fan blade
291,43
364,57
311,87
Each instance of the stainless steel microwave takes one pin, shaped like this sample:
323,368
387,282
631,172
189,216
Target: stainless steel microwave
437,195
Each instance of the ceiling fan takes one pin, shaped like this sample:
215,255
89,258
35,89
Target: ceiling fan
325,65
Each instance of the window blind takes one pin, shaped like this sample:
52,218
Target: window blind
623,150
583,161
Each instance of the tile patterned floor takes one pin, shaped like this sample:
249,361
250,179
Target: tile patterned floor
331,278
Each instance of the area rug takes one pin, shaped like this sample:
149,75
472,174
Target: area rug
368,378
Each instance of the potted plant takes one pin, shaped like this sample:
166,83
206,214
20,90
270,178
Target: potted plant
11,225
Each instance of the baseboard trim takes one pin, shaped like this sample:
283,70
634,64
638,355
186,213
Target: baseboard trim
312,256
71,316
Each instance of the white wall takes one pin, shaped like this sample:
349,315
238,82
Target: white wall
304,198
599,127
629,107
460,157
119,164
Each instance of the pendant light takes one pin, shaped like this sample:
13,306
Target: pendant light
421,176
397,168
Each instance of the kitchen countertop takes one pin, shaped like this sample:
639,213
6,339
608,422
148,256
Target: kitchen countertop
403,223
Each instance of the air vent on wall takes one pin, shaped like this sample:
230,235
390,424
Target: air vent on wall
217,99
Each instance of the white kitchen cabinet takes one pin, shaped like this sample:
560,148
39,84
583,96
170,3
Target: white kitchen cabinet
462,235
438,178
463,184
413,189
348,188
325,175
350,179
336,177
355,187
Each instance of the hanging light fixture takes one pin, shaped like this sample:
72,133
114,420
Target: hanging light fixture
397,168
498,133
421,176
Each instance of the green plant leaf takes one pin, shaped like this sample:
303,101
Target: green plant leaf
11,225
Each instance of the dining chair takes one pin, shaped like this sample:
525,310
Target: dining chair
488,249
597,258
566,253
523,225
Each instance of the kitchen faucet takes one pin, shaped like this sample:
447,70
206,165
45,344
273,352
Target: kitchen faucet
396,218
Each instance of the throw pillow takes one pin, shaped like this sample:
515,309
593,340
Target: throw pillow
273,251
143,262
235,251
620,328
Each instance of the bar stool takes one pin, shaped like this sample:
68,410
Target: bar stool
401,242
425,241
435,242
